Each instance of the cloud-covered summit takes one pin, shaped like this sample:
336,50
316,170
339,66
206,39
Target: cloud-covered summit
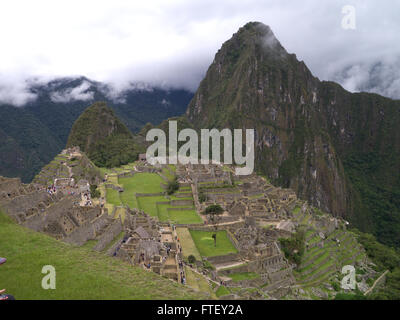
79,93
171,44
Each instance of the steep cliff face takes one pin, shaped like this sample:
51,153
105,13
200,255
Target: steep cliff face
309,134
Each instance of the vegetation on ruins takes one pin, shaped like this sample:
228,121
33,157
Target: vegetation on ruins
294,246
214,210
222,291
94,192
172,186
81,168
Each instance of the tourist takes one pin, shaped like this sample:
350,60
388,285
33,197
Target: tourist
2,295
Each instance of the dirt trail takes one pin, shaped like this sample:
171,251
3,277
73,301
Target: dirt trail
375,283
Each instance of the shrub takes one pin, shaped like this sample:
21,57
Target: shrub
208,265
94,192
202,197
214,209
192,259
173,186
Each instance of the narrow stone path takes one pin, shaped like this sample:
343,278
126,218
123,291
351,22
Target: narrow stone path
375,283
230,265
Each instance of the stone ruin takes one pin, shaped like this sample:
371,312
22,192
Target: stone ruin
59,215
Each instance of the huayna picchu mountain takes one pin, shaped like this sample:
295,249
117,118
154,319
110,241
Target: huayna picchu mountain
103,137
336,149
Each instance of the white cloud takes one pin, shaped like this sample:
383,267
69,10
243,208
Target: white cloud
15,91
172,43
78,93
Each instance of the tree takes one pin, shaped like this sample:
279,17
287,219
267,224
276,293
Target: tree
94,192
202,197
172,186
214,213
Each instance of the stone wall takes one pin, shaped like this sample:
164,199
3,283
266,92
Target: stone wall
114,230
88,230
233,257
182,203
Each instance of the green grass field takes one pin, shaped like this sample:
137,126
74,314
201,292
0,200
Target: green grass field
151,183
205,243
148,204
113,197
184,217
244,276
80,272
139,183
188,246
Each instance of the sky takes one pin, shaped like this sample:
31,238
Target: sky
172,43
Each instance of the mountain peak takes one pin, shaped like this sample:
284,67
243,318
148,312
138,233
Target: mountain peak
103,137
258,36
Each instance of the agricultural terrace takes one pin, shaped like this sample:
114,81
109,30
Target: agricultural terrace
145,191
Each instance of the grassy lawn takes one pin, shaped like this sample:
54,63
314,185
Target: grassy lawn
184,217
80,272
142,183
149,183
162,211
244,276
112,196
139,183
148,204
188,246
205,243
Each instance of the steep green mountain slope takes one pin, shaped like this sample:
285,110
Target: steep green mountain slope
81,273
338,150
31,136
103,137
25,143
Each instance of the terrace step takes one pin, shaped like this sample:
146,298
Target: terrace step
312,259
320,274
316,267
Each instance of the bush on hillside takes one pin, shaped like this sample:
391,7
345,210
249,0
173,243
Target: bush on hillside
294,247
173,186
